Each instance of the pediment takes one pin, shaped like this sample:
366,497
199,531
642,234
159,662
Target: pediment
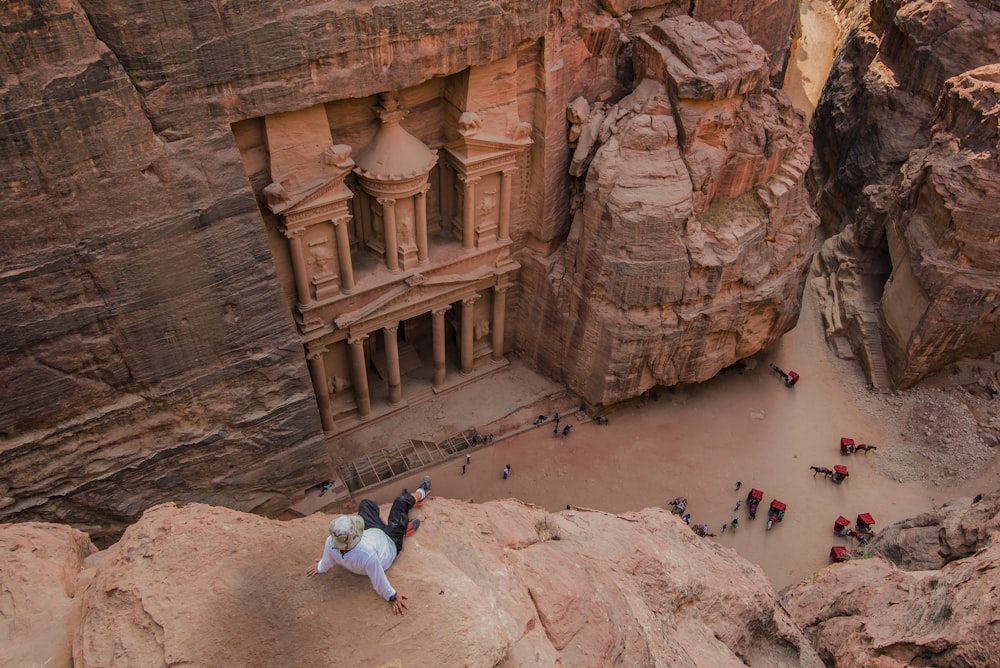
478,148
313,196
416,289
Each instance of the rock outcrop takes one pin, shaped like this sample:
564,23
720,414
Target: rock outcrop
907,169
500,583
868,612
926,598
690,247
953,531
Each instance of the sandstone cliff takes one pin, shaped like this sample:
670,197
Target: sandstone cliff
490,584
691,244
149,353
907,169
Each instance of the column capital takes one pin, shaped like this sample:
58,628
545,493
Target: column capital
357,339
469,180
507,171
501,288
469,301
393,328
315,350
387,201
442,310
341,220
293,233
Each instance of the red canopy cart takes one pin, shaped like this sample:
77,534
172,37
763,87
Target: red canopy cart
839,553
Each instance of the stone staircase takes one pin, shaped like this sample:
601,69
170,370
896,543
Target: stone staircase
878,370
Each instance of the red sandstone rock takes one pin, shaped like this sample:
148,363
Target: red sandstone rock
907,154
695,228
40,574
869,613
487,584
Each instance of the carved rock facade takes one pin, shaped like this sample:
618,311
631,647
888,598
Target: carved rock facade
218,254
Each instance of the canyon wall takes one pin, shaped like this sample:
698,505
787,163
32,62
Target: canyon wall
149,348
907,174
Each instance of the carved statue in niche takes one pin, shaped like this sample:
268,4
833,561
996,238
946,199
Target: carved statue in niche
487,205
336,384
481,329
321,256
405,229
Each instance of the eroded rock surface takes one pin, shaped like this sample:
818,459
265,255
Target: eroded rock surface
870,613
907,169
953,531
500,583
694,234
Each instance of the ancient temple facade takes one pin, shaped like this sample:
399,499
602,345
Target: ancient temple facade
398,246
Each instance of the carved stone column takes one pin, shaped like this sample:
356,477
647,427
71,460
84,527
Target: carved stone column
359,376
302,291
389,224
420,202
499,317
468,340
506,177
392,365
344,254
469,213
317,372
437,328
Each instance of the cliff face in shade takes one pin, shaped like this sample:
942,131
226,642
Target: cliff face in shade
907,166
148,348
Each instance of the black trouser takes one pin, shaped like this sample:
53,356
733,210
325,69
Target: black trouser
399,517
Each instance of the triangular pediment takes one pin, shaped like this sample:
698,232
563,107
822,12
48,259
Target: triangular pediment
474,148
315,195
324,193
416,289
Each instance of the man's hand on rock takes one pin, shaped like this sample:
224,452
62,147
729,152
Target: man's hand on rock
398,604
311,571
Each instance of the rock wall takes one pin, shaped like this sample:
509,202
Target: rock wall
149,352
499,583
690,246
907,165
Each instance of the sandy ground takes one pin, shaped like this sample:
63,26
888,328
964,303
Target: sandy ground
698,441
